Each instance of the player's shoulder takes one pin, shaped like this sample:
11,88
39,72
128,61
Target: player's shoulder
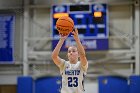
67,62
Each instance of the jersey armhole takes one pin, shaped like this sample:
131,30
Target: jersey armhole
84,68
62,65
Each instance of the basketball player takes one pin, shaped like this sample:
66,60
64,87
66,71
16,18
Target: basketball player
74,70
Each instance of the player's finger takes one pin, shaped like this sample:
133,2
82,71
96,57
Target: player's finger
61,35
73,32
76,30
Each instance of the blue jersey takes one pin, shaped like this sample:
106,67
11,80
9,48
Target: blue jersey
72,77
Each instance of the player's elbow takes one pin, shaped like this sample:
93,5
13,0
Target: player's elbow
82,54
53,56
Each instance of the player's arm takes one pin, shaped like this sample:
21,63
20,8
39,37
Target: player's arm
55,53
80,48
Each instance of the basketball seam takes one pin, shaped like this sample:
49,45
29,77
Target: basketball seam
68,21
63,26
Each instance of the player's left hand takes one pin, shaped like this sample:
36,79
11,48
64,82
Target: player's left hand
75,34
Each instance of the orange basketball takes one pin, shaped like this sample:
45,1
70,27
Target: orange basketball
64,25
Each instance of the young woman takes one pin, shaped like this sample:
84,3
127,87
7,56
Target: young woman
74,70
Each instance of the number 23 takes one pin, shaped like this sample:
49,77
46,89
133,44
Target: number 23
72,81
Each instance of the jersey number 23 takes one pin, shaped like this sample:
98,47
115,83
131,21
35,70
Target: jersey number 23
72,81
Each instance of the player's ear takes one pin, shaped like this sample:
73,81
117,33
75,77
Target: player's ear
67,56
78,55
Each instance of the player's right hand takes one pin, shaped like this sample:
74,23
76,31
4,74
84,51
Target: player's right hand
63,36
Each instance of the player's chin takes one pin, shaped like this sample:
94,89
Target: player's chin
71,58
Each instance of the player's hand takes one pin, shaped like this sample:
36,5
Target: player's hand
75,34
63,37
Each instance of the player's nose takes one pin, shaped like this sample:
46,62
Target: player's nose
70,53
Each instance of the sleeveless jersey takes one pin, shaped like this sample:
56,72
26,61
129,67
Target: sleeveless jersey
72,76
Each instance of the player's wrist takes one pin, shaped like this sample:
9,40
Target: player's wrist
62,39
77,39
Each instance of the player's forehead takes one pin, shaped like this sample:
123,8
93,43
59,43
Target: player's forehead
72,48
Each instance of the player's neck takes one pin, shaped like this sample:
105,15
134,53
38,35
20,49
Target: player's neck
73,61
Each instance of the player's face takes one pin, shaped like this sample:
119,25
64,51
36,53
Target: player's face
72,53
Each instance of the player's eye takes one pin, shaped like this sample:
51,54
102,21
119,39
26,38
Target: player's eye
69,51
73,51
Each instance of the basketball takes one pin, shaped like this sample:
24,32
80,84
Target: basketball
64,25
